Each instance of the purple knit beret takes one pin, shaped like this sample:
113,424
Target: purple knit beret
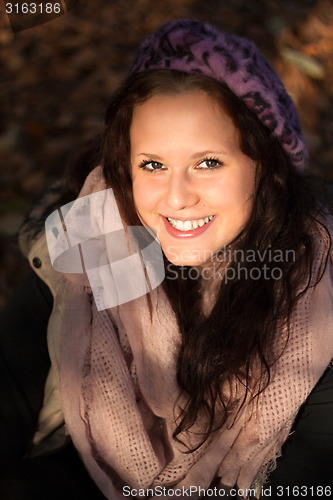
194,46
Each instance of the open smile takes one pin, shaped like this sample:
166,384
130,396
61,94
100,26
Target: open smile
187,227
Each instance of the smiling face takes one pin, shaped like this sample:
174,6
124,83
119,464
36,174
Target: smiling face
191,182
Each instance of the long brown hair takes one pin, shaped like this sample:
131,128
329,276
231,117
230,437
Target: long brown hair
244,322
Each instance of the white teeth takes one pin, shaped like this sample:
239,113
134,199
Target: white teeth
179,225
189,225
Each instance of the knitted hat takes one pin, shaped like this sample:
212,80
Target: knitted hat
193,46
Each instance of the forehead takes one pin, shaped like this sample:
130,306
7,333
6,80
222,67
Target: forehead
188,116
179,99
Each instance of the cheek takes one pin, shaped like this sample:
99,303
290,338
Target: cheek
242,186
144,195
233,196
138,194
245,199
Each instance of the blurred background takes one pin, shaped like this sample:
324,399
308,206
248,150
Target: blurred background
56,80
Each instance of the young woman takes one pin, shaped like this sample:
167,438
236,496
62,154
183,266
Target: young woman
194,386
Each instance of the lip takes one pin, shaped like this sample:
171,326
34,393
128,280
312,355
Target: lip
186,234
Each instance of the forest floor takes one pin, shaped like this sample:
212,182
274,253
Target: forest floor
56,80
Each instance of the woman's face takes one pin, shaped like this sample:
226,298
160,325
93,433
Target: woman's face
191,182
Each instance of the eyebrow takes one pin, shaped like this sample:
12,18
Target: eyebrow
193,157
149,155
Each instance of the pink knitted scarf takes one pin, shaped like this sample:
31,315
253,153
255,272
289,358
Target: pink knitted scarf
119,390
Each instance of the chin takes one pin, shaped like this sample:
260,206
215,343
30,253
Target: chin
181,263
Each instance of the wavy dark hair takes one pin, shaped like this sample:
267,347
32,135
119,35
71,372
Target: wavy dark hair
241,330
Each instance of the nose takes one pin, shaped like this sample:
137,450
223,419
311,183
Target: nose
181,191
